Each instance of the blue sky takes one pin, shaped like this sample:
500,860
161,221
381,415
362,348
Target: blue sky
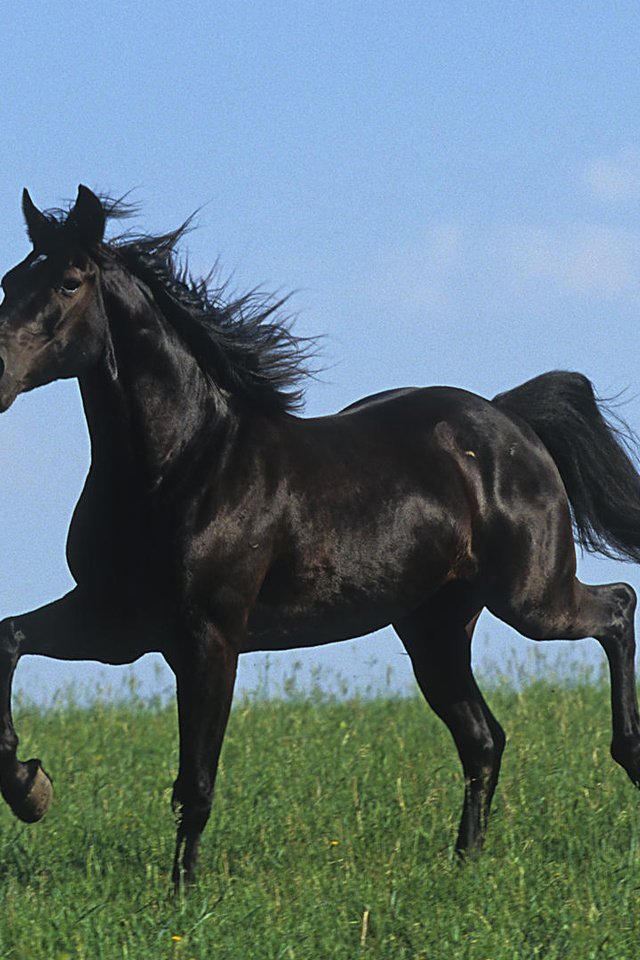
452,189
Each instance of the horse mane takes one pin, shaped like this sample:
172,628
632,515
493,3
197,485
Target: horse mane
244,343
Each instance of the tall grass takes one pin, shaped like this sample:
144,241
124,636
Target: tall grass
331,837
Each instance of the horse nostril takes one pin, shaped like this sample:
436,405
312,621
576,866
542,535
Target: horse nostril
1,367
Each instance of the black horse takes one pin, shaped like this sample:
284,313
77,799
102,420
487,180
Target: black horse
214,521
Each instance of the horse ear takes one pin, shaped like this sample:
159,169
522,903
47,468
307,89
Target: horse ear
38,225
87,217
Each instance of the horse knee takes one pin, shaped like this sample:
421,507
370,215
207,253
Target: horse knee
10,641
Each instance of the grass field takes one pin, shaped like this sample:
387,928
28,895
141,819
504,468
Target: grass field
331,837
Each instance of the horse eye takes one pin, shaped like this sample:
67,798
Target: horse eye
69,285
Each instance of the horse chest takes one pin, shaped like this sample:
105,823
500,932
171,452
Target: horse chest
110,540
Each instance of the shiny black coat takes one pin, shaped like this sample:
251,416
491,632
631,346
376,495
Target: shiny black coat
215,521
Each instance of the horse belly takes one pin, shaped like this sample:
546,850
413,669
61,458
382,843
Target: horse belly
351,586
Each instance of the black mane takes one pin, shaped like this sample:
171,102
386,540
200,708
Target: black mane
243,342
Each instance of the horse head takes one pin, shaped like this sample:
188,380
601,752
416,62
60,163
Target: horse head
52,320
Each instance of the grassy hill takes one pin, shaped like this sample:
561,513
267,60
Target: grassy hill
331,837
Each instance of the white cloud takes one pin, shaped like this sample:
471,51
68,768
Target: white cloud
574,259
508,266
615,178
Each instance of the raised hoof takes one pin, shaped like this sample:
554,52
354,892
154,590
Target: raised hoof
33,804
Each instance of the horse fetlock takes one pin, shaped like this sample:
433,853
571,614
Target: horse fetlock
469,842
8,747
195,816
28,790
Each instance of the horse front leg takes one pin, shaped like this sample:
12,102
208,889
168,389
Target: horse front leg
205,677
68,629
24,786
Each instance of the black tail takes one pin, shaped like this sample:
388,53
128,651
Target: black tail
591,453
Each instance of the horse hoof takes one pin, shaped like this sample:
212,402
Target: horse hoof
627,754
35,803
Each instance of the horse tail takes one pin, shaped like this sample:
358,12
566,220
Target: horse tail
593,453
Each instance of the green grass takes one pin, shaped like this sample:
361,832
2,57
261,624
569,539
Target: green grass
331,837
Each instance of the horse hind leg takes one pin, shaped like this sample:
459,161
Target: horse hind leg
605,612
437,637
616,636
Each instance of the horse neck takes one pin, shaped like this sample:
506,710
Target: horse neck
148,403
